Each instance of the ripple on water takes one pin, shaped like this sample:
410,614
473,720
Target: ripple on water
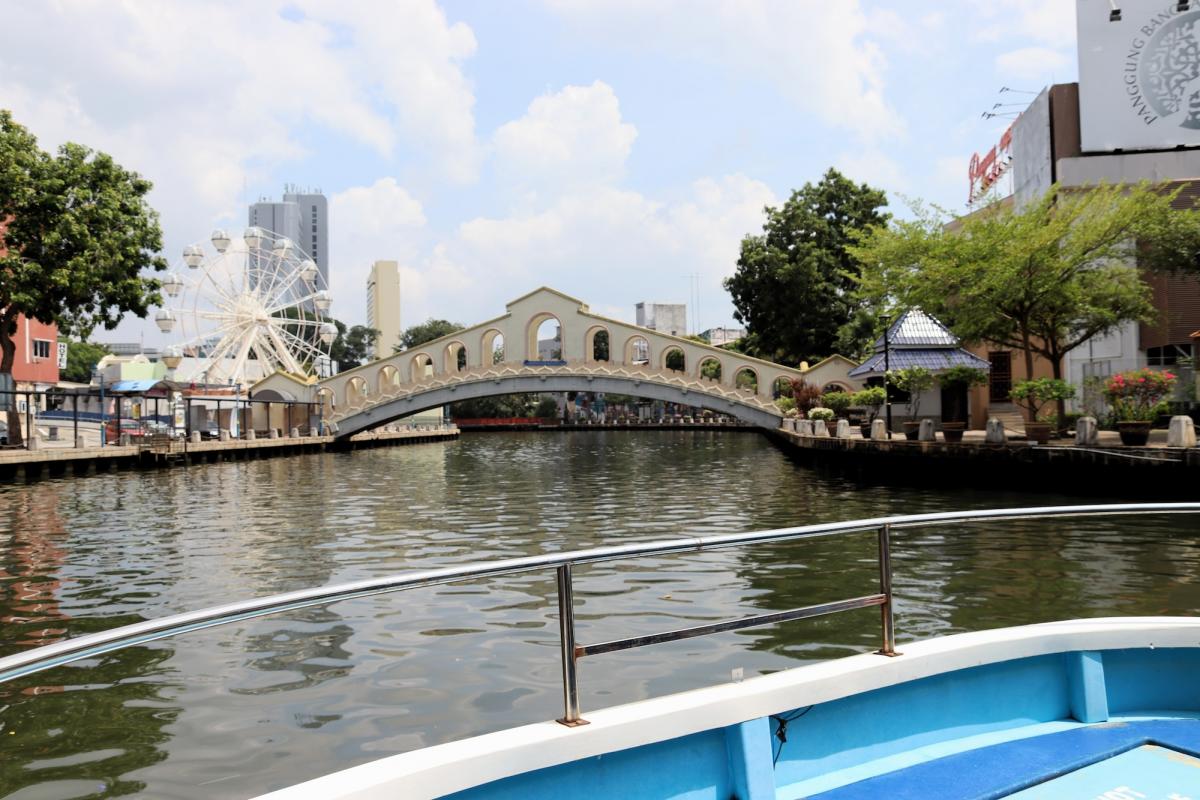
310,691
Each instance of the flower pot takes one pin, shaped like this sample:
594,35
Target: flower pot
953,431
911,430
1037,432
1134,434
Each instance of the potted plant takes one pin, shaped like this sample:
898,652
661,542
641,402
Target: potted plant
821,416
958,380
1134,397
916,381
1035,395
871,399
805,395
838,402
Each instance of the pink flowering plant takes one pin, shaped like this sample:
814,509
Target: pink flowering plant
1135,395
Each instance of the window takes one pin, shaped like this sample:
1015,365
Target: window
41,348
1168,355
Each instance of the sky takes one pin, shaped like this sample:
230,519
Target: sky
610,149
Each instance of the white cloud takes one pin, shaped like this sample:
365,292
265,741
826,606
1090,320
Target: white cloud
1038,65
569,138
618,243
203,98
1050,22
816,53
368,223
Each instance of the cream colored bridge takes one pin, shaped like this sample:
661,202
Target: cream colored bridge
501,356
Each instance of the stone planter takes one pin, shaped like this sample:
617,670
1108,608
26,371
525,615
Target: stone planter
953,431
1134,434
911,430
1037,432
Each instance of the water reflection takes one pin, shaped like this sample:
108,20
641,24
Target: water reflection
241,710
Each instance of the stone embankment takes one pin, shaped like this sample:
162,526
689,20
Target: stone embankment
1092,463
23,465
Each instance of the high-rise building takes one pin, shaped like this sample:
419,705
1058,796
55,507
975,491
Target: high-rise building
669,318
383,306
303,217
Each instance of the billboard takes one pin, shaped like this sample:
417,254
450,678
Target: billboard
1139,75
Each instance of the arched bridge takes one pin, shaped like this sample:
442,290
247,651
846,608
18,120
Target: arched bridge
501,356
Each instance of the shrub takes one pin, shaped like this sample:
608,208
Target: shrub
914,380
838,402
964,377
871,399
823,414
785,404
1136,395
1037,393
805,394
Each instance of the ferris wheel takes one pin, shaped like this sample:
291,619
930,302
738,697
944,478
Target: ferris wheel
256,305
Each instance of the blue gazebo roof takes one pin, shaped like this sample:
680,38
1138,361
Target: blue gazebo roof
917,339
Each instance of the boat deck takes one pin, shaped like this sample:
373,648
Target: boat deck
1123,759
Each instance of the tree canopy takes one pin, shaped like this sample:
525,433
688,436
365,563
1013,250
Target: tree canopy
794,283
82,358
79,235
427,331
1042,279
351,347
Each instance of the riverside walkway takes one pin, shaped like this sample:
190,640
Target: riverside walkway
18,464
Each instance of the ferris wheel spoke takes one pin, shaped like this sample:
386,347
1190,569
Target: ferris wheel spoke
289,359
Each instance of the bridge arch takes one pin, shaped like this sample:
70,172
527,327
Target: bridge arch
388,379
637,349
531,335
454,357
711,373
420,366
746,378
674,358
592,338
356,391
680,389
488,344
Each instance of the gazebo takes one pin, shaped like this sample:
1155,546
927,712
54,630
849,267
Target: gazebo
917,339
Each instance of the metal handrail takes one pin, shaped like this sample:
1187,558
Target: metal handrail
90,645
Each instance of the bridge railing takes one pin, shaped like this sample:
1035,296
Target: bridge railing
91,645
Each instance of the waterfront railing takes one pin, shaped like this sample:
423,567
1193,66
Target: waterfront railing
91,645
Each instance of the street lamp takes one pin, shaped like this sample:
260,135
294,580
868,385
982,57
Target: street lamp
887,387
99,375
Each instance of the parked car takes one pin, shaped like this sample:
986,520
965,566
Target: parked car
131,427
3,433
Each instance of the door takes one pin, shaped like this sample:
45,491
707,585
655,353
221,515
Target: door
1000,379
954,404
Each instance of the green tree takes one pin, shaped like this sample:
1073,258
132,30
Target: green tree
350,348
427,331
82,358
793,287
79,236
1043,279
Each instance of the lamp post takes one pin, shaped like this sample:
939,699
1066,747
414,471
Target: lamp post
103,417
887,388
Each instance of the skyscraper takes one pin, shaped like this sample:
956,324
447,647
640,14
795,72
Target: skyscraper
303,217
383,306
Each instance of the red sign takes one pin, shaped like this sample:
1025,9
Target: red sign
985,171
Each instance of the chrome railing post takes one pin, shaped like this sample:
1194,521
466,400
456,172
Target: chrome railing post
566,632
885,588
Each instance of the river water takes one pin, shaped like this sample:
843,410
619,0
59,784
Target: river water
236,711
